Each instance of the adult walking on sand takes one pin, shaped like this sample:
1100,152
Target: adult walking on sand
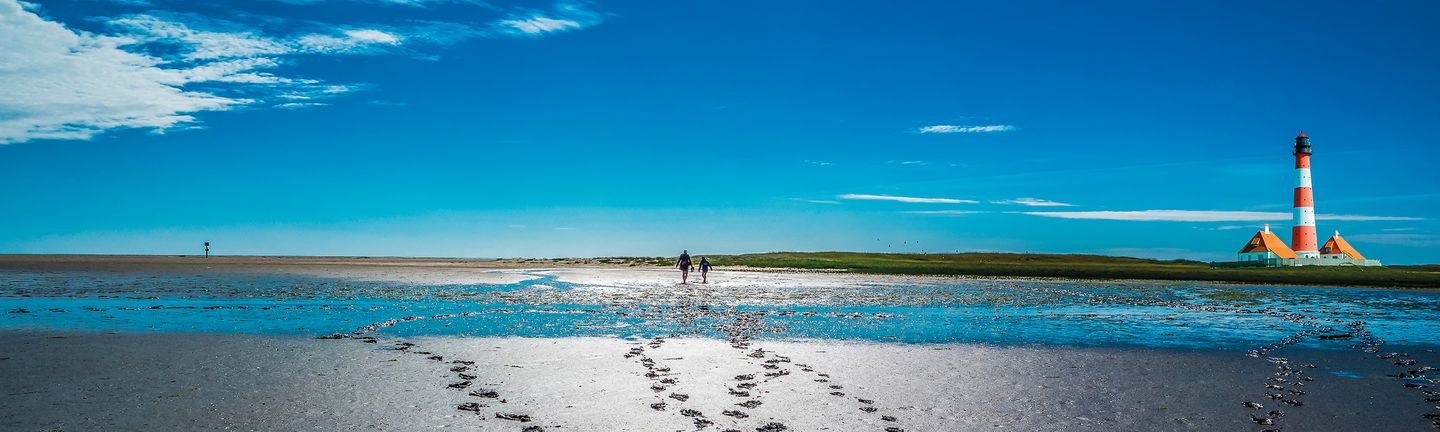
684,265
704,270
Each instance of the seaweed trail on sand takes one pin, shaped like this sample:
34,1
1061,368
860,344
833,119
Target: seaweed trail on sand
768,368
466,376
663,379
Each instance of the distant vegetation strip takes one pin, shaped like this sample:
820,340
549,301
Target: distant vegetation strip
1083,267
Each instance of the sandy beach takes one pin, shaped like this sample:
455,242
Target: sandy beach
147,343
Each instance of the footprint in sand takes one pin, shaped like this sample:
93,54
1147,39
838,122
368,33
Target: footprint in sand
469,406
515,417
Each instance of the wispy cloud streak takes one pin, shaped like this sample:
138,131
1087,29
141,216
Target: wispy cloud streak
1033,202
948,129
564,17
1399,239
905,199
1204,216
945,212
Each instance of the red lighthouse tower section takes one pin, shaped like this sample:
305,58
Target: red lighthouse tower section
1303,239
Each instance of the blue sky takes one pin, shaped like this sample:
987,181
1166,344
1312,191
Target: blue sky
462,128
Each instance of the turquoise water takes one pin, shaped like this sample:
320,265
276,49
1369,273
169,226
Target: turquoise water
1006,312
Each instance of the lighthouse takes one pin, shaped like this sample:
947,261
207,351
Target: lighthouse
1302,235
1267,250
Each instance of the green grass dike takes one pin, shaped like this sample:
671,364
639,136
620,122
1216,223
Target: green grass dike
1083,267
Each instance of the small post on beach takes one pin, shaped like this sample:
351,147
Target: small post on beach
207,249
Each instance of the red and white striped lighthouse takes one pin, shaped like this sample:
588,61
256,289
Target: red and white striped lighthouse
1302,235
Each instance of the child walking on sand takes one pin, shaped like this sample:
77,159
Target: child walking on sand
704,270
684,265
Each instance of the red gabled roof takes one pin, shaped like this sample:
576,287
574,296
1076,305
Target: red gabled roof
1302,135
1338,246
1266,241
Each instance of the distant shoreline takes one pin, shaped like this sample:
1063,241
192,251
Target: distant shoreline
1090,267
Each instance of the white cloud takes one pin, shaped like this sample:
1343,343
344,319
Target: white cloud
62,84
906,199
68,84
297,105
820,163
373,36
198,38
966,129
226,41
354,41
1324,217
565,17
537,24
416,3
1397,229
420,2
1033,202
1204,216
1400,239
1168,215
945,212
815,201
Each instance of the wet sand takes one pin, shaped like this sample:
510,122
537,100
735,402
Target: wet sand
158,381
743,377
406,270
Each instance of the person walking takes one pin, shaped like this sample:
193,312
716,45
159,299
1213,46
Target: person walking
684,265
704,270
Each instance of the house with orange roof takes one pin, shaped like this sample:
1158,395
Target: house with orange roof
1337,248
1265,246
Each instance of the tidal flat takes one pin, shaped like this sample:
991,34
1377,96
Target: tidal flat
387,344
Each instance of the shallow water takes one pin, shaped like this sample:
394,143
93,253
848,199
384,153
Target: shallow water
1003,312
